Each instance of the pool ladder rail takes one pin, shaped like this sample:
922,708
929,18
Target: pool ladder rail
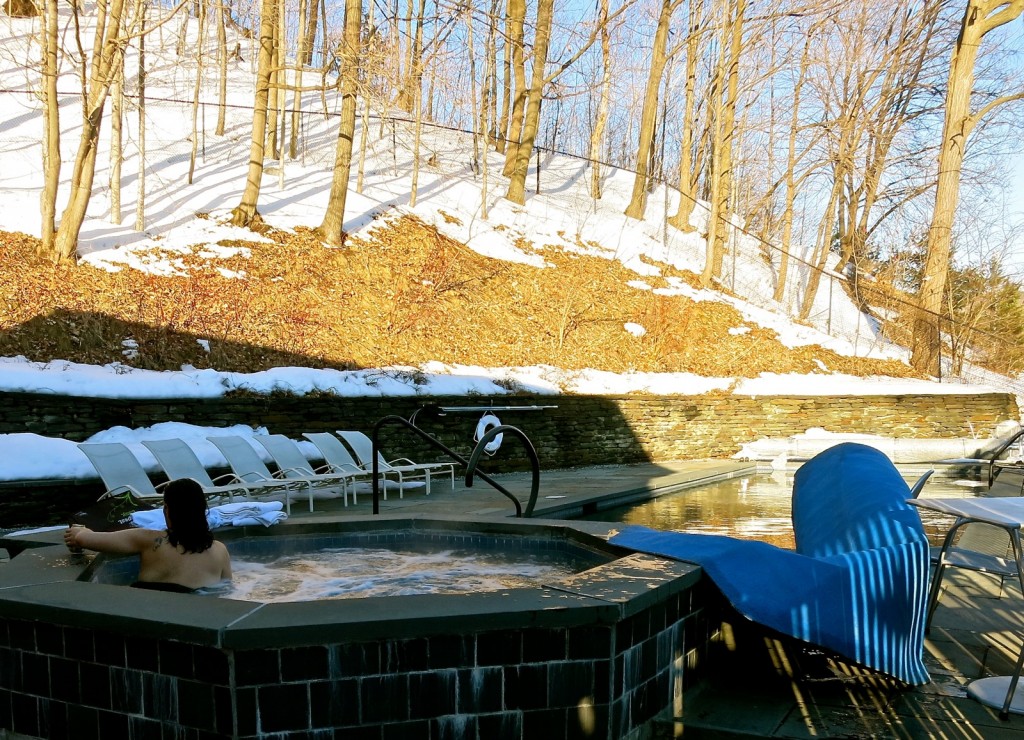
470,464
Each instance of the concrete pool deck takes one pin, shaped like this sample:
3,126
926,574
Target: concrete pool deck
756,688
760,687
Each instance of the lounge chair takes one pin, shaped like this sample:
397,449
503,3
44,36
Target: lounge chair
249,466
179,461
403,468
293,465
120,470
338,459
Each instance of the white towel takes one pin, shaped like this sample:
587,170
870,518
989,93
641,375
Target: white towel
247,514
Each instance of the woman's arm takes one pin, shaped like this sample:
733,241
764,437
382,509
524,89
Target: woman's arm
123,541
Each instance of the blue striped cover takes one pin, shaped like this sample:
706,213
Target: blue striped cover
858,581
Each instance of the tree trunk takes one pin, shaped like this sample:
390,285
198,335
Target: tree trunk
106,56
649,113
719,223
140,201
601,121
517,19
200,43
517,181
244,214
687,171
331,230
116,147
51,125
980,17
502,124
222,63
417,101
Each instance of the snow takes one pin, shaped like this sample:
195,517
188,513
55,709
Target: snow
182,216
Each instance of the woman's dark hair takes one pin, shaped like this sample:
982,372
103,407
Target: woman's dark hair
186,515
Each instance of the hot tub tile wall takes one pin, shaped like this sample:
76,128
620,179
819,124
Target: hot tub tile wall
534,682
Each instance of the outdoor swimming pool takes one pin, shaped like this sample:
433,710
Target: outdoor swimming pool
757,507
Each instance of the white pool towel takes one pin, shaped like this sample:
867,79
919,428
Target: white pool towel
249,513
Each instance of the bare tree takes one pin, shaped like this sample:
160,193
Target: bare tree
331,229
524,148
245,214
648,114
107,56
979,19
51,124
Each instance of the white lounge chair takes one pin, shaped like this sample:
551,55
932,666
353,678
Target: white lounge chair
404,468
293,465
338,459
120,470
249,466
180,461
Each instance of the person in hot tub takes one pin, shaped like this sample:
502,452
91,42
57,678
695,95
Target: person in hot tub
181,558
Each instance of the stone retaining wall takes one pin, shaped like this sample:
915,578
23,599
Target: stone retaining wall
582,430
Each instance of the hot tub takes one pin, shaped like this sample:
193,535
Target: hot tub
597,652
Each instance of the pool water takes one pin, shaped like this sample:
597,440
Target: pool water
357,572
757,507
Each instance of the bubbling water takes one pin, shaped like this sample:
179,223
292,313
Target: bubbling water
358,572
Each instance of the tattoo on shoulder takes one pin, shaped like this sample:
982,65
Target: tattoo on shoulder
158,541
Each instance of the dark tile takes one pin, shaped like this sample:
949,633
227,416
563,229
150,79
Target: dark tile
481,690
363,732
499,648
5,708
159,697
126,690
176,660
432,694
543,645
49,639
196,707
140,728
586,643
304,663
113,724
10,668
384,698
283,707
95,680
526,687
334,703
419,730
546,723
141,654
223,710
506,725
65,682
255,667
80,645
245,709
25,714
602,681
109,649
450,651
56,720
643,704
22,635
35,670
83,722
211,666
570,683
404,656
5,635
354,660
453,727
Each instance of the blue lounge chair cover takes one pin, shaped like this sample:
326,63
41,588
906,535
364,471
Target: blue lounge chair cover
858,581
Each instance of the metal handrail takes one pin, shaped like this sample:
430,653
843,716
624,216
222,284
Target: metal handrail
470,464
